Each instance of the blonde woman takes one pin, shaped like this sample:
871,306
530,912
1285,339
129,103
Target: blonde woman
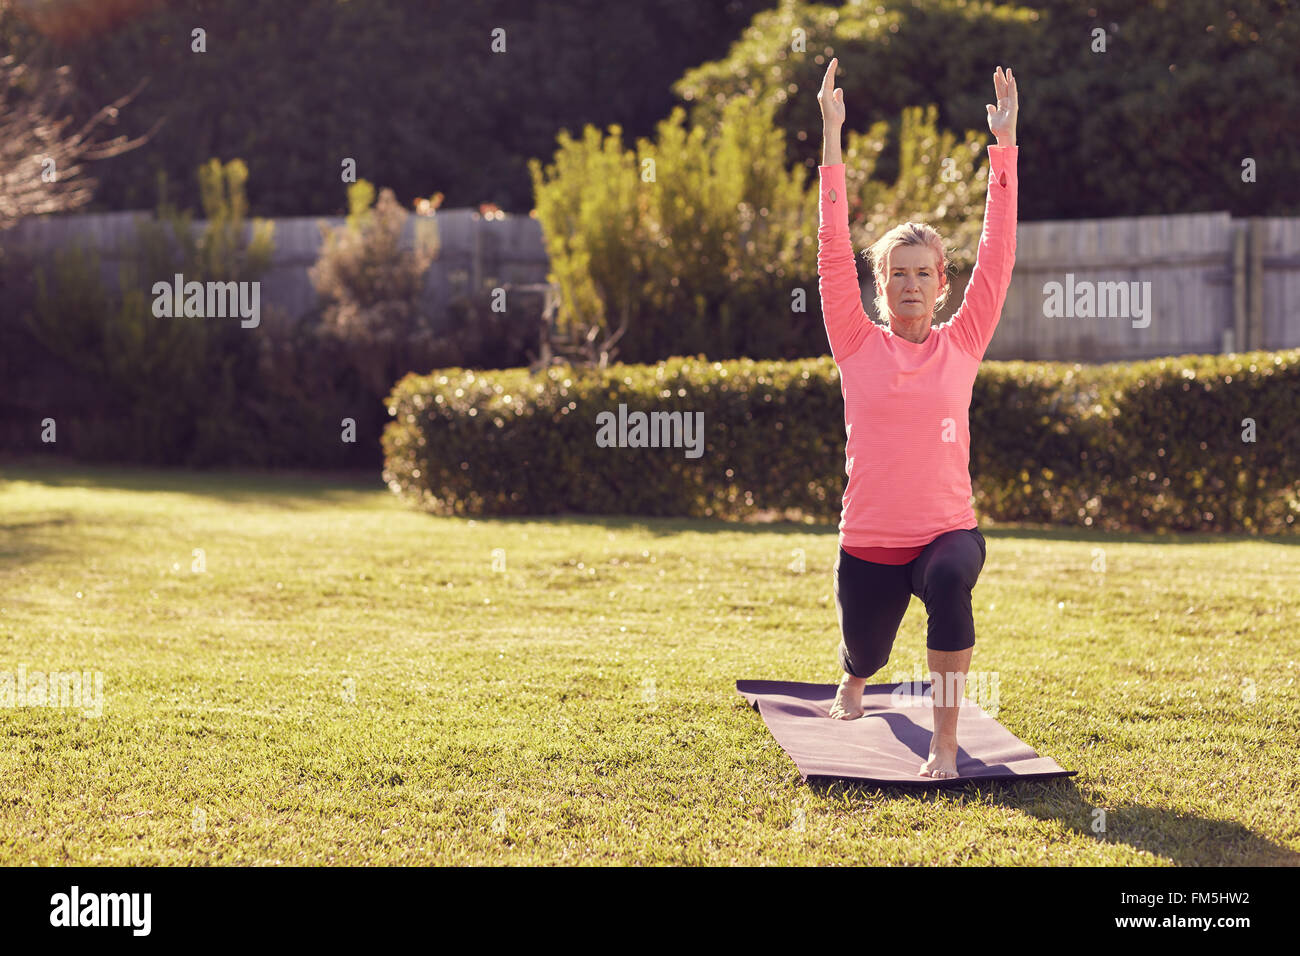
907,526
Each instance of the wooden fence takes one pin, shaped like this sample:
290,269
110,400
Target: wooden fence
1217,284
475,252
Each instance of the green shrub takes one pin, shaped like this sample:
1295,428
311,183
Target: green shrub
171,388
693,243
940,182
371,288
1152,444
705,243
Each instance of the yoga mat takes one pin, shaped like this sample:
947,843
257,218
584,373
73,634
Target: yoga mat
890,741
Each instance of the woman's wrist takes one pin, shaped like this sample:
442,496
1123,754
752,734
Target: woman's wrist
831,146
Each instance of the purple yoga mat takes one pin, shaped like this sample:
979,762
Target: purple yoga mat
890,741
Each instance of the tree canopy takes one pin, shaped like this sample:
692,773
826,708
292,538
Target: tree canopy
1149,108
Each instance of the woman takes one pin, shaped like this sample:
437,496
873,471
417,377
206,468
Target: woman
907,526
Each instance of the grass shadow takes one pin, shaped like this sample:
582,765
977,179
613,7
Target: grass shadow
665,527
296,489
20,540
1178,836
284,490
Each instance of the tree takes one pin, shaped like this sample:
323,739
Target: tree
1147,110
292,88
41,161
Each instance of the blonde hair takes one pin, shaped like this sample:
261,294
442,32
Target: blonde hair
907,234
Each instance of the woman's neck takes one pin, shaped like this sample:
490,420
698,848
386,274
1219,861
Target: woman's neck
917,332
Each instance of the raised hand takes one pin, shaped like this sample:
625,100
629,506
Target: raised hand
831,99
1002,118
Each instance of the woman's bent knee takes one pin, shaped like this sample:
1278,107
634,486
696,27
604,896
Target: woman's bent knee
861,667
947,578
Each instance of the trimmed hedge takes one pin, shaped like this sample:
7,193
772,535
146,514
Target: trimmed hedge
1132,446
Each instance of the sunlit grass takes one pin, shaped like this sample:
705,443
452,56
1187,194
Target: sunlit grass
352,682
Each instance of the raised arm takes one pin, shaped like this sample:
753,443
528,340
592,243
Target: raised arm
847,323
976,319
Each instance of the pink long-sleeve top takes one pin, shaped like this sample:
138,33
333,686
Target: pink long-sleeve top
907,455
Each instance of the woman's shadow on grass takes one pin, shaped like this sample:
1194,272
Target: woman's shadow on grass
1183,838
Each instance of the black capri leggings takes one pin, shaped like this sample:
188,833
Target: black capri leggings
870,599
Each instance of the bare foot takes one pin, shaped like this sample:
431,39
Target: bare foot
848,698
943,758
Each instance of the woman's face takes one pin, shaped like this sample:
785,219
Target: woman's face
912,282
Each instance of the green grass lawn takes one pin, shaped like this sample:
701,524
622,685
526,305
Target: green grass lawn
352,682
